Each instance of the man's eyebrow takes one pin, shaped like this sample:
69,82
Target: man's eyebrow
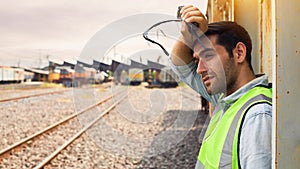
206,50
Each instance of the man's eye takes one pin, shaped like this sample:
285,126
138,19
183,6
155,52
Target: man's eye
207,56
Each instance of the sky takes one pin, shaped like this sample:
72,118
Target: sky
34,31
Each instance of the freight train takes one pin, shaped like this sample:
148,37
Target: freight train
161,78
76,77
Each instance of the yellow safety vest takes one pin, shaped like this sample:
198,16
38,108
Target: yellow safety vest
220,144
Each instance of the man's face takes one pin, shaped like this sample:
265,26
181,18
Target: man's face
214,65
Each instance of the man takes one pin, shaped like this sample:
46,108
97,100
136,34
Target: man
217,64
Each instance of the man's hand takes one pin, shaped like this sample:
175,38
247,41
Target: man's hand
182,53
192,19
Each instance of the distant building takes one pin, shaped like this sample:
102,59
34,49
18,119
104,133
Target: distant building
39,75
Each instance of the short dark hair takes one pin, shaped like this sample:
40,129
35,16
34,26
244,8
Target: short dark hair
228,35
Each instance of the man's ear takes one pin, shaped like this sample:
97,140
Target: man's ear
239,52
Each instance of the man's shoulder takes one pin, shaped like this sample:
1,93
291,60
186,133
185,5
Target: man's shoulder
261,102
259,108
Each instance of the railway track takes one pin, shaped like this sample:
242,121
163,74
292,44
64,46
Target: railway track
20,86
32,95
14,98
54,128
56,147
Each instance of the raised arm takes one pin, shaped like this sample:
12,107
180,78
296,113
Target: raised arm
182,51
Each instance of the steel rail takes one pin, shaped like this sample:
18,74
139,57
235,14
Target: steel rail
77,135
33,95
5,150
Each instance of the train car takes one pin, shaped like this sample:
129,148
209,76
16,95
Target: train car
54,76
19,75
14,75
83,75
167,78
100,77
65,76
89,75
7,74
135,76
124,79
162,78
61,74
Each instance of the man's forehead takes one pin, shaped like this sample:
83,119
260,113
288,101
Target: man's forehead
207,42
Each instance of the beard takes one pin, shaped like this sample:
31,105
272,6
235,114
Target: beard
217,85
222,81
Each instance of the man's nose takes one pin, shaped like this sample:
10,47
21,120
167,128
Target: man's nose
201,67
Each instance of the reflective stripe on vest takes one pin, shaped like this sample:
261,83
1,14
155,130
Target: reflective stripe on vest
220,146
